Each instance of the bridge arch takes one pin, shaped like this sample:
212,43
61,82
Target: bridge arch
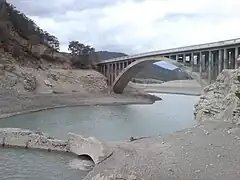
131,70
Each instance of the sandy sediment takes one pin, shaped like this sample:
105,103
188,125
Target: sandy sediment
186,87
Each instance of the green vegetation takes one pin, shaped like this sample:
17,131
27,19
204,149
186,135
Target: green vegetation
83,56
103,55
25,27
21,37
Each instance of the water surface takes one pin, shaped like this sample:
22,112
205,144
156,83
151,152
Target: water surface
174,112
27,164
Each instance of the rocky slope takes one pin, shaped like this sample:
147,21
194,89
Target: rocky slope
220,101
17,79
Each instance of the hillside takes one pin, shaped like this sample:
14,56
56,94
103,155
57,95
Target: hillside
30,61
103,55
156,72
152,71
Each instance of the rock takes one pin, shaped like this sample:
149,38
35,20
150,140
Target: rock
197,171
1,67
15,137
9,67
29,82
220,100
96,149
116,177
48,83
53,76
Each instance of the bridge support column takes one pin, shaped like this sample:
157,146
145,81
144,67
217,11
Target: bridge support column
114,72
116,67
184,59
231,59
192,61
225,59
121,66
220,60
102,69
200,63
236,57
177,57
109,74
210,65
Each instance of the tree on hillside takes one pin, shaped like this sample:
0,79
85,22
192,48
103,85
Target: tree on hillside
4,36
82,55
54,44
26,27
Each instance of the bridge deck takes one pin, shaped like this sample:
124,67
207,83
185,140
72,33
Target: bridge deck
179,50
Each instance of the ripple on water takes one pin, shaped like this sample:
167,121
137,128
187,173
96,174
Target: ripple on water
23,164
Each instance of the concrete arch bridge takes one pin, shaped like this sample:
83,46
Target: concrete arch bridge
202,62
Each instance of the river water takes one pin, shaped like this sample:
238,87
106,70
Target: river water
175,112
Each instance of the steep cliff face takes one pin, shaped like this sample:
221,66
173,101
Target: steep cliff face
221,100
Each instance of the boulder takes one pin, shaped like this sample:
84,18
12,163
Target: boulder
48,83
90,146
1,67
29,82
220,100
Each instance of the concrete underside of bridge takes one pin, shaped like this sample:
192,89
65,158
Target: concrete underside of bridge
131,70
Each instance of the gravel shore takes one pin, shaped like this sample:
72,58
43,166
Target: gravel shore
208,151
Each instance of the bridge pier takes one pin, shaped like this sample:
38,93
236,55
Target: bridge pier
225,59
220,60
236,56
200,63
177,57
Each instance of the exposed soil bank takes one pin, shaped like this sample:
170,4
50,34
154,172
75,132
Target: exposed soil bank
185,87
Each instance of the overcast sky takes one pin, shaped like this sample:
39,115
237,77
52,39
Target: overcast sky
135,26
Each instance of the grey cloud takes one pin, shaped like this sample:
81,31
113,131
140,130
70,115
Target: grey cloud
51,7
177,16
85,28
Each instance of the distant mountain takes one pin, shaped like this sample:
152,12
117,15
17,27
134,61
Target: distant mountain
154,71
167,72
103,55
